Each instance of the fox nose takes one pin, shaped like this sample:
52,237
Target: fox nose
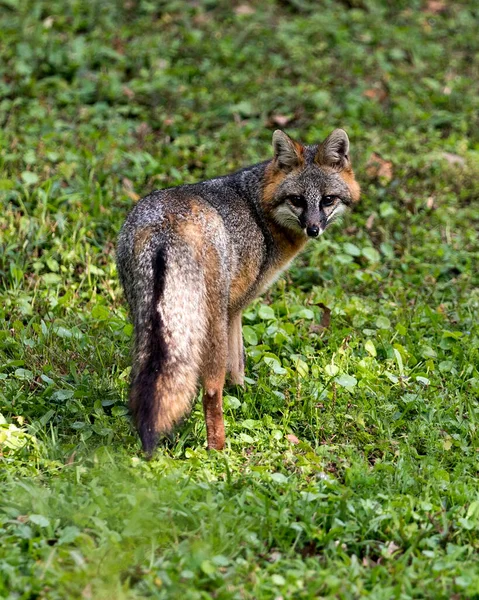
312,230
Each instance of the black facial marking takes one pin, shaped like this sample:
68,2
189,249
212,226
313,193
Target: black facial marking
329,200
297,200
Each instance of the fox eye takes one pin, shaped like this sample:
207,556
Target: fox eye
329,200
296,200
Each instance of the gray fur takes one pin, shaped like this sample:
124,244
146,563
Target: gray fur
284,151
334,151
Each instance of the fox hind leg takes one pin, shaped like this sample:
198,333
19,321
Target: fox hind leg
213,376
235,350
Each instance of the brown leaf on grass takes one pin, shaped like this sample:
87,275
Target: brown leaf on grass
376,93
201,19
130,94
325,321
129,191
391,548
453,159
369,563
370,221
435,7
326,316
71,458
378,168
280,120
142,130
274,556
345,342
244,9
292,438
22,518
430,203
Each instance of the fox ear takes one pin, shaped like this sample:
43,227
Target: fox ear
334,151
288,154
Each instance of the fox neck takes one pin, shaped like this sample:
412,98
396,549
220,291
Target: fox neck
248,182
252,184
287,241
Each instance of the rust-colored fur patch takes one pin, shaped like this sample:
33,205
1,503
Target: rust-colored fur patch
142,237
244,279
300,152
347,176
193,235
191,227
288,245
196,228
288,242
273,175
272,178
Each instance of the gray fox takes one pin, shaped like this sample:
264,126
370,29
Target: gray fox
191,258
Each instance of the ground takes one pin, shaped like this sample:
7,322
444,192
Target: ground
352,452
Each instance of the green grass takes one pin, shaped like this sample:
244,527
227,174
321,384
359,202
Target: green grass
375,492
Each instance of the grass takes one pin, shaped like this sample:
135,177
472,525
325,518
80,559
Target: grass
352,457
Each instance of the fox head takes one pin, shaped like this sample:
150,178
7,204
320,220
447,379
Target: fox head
309,187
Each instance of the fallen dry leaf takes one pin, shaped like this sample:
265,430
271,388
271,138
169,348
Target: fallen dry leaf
281,120
378,94
22,518
391,548
370,221
325,321
71,458
292,438
435,7
378,168
453,159
201,19
274,556
129,191
326,316
244,9
130,94
143,129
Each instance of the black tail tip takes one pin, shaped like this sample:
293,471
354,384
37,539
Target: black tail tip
149,441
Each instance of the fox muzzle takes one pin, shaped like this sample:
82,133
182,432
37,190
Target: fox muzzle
312,231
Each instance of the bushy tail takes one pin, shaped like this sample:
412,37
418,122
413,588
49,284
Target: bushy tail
169,333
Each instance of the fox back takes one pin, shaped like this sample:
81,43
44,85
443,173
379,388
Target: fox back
191,258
